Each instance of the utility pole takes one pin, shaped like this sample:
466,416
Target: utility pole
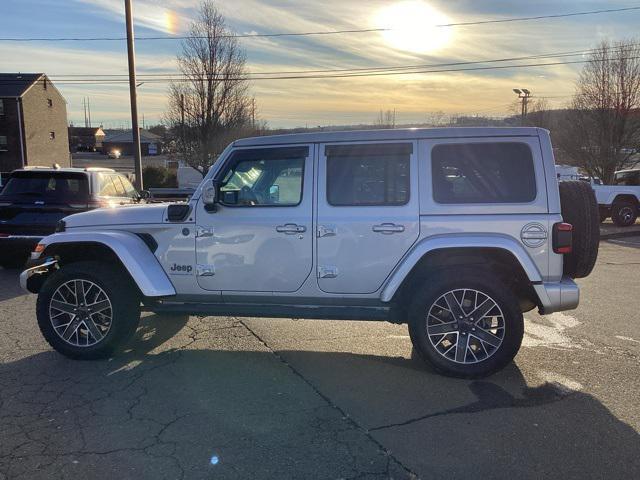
523,95
137,154
184,145
89,108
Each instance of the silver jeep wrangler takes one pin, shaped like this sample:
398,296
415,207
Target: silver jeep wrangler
455,232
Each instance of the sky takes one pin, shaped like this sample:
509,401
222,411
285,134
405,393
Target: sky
413,39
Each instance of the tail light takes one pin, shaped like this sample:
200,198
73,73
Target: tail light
562,238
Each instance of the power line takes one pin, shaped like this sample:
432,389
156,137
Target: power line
318,33
570,53
92,81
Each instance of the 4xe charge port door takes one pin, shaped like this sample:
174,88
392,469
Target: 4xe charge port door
368,213
260,238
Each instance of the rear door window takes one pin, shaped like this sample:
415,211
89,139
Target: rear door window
368,175
465,173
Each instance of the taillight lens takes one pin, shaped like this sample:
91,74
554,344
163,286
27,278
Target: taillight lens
562,238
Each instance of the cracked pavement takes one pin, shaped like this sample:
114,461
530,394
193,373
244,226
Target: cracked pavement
221,397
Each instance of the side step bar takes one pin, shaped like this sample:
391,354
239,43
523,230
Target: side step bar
320,312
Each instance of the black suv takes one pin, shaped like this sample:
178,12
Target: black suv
34,200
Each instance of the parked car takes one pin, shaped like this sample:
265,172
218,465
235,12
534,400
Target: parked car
115,154
620,201
455,232
34,200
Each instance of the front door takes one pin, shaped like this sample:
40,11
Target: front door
260,238
368,213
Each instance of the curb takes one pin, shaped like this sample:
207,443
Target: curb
609,236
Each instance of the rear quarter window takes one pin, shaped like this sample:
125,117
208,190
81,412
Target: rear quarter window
500,172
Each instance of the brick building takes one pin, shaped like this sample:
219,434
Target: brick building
33,122
86,138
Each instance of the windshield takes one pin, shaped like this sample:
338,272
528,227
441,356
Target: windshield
49,186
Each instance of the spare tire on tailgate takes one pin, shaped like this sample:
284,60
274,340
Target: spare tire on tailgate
580,209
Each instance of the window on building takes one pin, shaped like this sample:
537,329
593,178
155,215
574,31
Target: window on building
465,173
52,135
1,106
3,143
368,174
49,102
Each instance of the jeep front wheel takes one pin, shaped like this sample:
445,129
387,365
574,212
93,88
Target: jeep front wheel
86,311
467,324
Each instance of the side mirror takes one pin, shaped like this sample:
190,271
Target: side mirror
210,195
145,194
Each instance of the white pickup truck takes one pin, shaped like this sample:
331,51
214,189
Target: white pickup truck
620,201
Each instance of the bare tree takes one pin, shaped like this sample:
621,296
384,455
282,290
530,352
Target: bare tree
540,115
385,119
602,126
210,105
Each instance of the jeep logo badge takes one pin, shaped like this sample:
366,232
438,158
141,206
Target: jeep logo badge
181,269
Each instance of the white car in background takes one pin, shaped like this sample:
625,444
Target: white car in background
620,201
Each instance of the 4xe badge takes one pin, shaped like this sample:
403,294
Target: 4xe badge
181,269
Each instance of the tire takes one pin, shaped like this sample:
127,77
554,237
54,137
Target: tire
104,289
580,209
624,213
480,358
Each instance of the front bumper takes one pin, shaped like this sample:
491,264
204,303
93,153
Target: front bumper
558,296
32,278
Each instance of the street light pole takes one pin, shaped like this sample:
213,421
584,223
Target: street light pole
137,154
523,95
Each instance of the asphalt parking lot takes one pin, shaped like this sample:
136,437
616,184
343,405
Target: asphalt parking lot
222,397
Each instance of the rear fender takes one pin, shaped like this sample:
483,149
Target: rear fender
439,242
133,253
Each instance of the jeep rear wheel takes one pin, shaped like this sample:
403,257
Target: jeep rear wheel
86,311
466,324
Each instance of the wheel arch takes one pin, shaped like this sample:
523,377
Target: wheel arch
128,250
502,255
626,197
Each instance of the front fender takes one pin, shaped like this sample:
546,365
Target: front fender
438,242
140,262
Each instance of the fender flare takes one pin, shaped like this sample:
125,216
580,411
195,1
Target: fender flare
439,242
612,197
140,262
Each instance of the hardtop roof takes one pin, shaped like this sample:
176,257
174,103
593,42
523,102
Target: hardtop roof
400,134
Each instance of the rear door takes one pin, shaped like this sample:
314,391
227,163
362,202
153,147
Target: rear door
368,213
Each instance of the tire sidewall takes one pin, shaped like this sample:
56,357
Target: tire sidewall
125,310
486,283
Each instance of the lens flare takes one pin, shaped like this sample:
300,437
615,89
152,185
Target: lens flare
413,27
171,22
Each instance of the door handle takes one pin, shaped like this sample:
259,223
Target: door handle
388,228
291,228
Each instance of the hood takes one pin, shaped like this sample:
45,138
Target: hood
125,215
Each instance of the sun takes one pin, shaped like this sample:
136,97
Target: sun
413,27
